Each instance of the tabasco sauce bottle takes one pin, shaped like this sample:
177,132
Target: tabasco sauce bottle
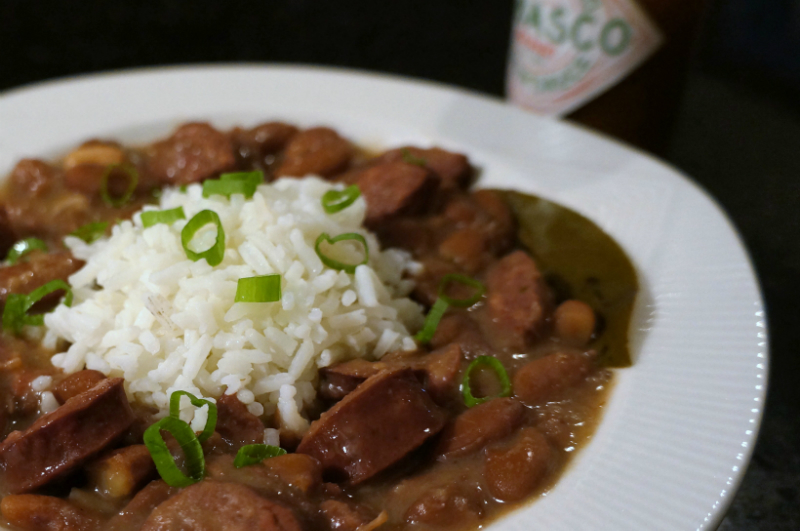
614,65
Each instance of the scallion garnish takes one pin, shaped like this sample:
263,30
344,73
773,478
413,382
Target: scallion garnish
190,445
154,217
432,321
252,454
410,158
23,247
211,420
213,254
335,201
233,183
91,231
480,289
183,188
335,264
15,313
133,180
266,288
493,363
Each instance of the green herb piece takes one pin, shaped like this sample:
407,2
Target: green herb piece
154,217
266,288
91,232
190,445
23,247
497,368
213,254
432,321
335,200
252,454
211,420
410,158
449,278
335,264
15,313
133,180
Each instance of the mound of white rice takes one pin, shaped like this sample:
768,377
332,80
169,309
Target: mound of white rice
145,312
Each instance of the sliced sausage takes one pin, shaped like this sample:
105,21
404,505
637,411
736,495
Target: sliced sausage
442,368
478,426
133,515
513,471
542,380
262,140
122,472
212,506
395,188
518,300
62,440
31,512
37,270
77,383
300,471
385,418
195,152
31,178
466,248
498,224
316,151
236,425
340,380
453,168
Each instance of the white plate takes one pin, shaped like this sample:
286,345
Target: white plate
680,425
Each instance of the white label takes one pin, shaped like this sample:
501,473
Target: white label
566,52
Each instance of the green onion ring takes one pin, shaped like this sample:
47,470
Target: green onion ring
500,372
265,288
133,180
228,188
154,217
410,158
15,313
91,232
165,464
256,177
251,454
23,247
335,264
432,321
480,289
211,420
335,200
213,254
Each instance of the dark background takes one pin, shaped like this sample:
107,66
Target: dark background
737,133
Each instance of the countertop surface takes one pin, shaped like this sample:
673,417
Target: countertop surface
737,131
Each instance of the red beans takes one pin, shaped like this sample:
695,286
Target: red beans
514,471
574,322
542,380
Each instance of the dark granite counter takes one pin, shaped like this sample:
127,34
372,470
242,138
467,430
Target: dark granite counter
738,129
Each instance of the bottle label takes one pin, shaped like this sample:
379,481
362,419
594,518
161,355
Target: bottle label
566,52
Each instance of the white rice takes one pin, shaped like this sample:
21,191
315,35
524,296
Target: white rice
145,312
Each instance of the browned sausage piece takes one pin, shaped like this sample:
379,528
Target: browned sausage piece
466,248
31,178
37,269
76,383
373,427
133,515
62,440
395,188
441,369
500,227
298,470
513,471
316,151
342,379
344,516
212,506
542,380
122,472
236,425
518,300
31,512
480,425
263,139
453,168
195,152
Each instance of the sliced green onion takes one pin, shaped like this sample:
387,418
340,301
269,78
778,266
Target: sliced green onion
251,454
211,420
15,313
165,464
266,288
156,192
183,188
256,177
335,201
91,231
228,188
23,247
133,180
154,217
335,264
410,158
432,321
213,254
500,372
480,289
